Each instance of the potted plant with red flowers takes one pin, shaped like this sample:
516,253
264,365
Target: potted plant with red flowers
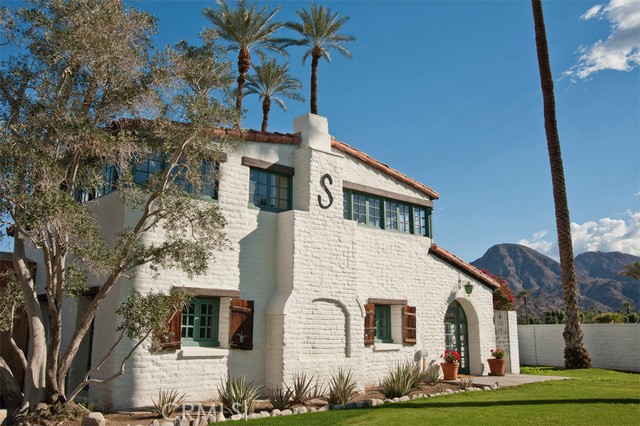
497,363
450,365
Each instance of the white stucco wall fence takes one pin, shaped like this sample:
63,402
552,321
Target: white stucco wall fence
611,346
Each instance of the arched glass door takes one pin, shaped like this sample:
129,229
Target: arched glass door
456,335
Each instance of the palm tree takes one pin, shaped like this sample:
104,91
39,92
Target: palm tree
270,82
632,270
524,294
319,30
575,354
245,28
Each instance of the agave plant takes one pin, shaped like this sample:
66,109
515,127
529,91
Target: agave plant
398,382
238,394
418,375
168,403
301,388
279,397
319,389
342,387
433,374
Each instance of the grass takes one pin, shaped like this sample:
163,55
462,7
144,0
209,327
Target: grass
593,397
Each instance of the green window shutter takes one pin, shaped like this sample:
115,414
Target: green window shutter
383,324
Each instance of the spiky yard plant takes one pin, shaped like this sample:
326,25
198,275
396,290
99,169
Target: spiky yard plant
342,387
168,402
398,381
419,375
238,395
319,388
433,374
465,384
279,397
301,388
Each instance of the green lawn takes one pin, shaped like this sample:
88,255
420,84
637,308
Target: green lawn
593,397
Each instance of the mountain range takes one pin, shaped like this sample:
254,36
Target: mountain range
599,286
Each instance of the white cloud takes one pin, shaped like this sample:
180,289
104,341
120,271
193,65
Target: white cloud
608,235
537,243
592,12
621,50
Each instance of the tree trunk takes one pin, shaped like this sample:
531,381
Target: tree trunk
526,310
35,373
314,82
266,107
10,391
575,354
244,64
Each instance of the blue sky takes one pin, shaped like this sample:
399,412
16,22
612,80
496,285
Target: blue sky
449,93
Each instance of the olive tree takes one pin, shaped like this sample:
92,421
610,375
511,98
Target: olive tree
84,91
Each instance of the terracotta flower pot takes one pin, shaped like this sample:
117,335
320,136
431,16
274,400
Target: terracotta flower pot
450,370
497,366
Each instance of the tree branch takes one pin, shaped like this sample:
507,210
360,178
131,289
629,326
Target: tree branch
120,372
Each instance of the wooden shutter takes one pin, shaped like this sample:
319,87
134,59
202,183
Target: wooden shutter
409,324
241,324
369,324
172,339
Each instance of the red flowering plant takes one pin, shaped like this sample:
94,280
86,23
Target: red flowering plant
497,353
450,356
503,299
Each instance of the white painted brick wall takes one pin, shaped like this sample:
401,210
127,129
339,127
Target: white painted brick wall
310,272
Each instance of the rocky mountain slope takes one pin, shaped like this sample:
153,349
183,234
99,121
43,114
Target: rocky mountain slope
599,287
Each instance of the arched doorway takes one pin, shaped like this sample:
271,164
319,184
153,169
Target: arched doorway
456,334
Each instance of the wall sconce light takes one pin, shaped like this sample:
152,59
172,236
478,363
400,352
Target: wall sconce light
468,287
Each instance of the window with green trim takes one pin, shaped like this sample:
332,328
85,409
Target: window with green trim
200,320
383,324
269,190
156,162
385,213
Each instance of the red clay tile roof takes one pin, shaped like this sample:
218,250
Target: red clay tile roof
365,158
460,264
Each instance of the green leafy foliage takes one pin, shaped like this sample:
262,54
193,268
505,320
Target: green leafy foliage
433,374
11,300
610,317
342,387
403,378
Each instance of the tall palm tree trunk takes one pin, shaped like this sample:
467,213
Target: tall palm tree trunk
244,64
314,83
575,354
266,106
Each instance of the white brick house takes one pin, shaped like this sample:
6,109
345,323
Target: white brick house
331,264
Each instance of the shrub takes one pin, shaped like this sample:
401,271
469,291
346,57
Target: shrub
238,394
168,403
319,389
279,397
301,389
609,317
342,387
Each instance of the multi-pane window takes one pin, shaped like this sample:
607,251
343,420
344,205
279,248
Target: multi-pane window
384,213
383,324
109,178
200,322
269,190
156,163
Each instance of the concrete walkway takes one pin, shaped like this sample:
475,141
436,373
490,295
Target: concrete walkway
508,379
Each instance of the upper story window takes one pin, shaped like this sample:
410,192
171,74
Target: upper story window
380,212
156,163
109,176
270,190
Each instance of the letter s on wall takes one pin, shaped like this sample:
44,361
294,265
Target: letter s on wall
323,182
